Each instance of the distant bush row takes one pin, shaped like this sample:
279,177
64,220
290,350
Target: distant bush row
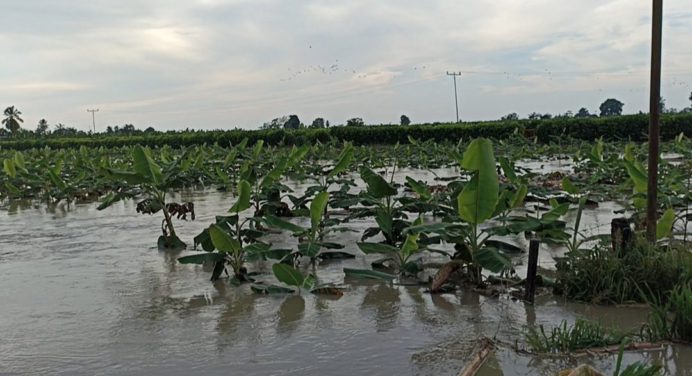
628,127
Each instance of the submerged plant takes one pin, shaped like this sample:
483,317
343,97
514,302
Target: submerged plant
564,338
399,258
297,282
154,182
635,369
480,200
311,238
230,241
380,201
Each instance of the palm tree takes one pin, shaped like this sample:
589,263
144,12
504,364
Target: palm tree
42,127
12,119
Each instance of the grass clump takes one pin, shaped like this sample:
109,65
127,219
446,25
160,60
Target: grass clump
565,338
601,276
671,319
639,369
636,369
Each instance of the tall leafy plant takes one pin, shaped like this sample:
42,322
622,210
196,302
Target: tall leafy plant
149,179
480,200
476,203
230,241
312,242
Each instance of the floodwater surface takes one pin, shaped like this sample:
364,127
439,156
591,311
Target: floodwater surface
86,292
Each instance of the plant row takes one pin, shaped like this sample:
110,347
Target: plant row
628,127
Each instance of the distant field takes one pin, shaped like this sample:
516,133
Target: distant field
628,127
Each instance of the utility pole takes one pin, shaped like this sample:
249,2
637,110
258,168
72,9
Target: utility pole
456,101
654,116
93,117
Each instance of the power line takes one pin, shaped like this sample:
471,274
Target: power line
93,117
456,101
624,72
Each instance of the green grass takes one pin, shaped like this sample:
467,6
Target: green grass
636,369
672,319
564,338
600,276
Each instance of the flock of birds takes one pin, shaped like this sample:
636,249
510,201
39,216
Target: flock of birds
336,68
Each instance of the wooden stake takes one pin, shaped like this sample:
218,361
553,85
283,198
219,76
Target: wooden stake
654,116
531,271
621,235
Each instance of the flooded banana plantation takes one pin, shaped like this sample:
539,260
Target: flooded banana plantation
335,259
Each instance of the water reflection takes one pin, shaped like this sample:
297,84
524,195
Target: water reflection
290,314
440,301
107,293
170,259
384,300
16,206
236,322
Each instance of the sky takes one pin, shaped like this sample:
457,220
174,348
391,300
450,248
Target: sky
215,64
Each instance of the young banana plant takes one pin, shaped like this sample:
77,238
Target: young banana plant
149,179
381,202
312,242
230,241
479,200
638,177
325,178
298,281
398,258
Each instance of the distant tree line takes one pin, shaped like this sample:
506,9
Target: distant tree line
610,107
13,121
293,122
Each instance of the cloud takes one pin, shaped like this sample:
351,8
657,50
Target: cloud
217,63
44,88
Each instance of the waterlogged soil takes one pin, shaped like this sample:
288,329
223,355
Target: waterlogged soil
86,292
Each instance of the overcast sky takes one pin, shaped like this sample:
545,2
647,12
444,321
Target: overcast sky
221,64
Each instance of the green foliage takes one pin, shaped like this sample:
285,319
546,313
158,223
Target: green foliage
639,369
317,209
222,241
671,316
291,276
477,201
598,275
343,162
635,369
627,127
401,255
313,236
244,196
368,274
664,227
12,119
145,166
566,338
233,240
145,177
377,186
611,107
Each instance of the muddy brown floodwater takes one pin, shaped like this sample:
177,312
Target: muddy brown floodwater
84,292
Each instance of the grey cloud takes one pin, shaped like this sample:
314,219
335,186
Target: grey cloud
214,63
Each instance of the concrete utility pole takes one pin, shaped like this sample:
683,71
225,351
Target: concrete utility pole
456,101
93,117
654,116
